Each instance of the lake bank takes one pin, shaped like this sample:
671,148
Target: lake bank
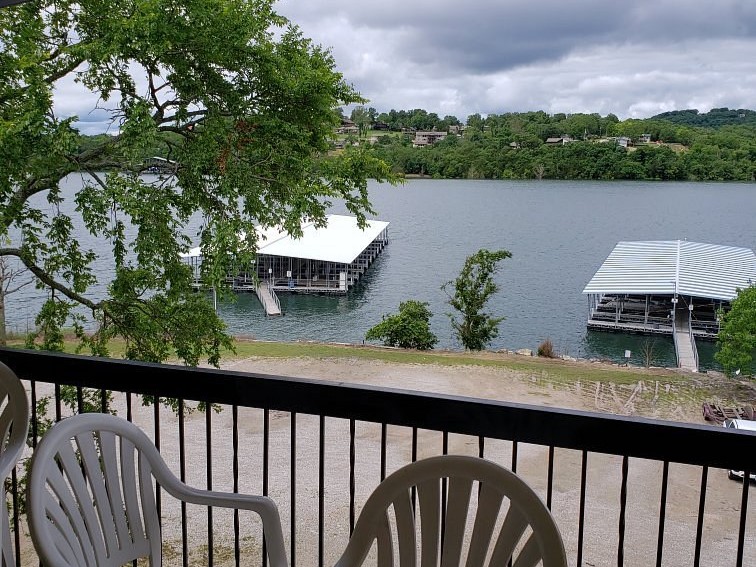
592,385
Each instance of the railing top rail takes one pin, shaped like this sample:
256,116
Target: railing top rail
571,429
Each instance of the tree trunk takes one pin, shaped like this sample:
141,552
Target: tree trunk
2,316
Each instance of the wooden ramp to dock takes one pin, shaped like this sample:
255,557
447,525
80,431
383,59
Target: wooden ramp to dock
268,298
685,345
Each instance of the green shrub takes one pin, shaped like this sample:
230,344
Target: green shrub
410,328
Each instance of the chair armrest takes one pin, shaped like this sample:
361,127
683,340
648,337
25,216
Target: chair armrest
262,505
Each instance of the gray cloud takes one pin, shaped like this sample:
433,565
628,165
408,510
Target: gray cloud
633,59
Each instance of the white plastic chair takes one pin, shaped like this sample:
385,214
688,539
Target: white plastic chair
14,429
92,501
526,547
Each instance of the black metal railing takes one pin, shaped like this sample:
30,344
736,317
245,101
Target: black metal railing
624,490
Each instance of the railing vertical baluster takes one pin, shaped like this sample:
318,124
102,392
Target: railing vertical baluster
414,444
321,491
235,466
58,409
743,516
34,416
481,446
623,511
514,456
293,489
156,418
414,458
103,400
550,479
16,530
182,476
384,432
266,471
80,399
581,512
701,509
209,465
662,514
352,455
445,443
129,416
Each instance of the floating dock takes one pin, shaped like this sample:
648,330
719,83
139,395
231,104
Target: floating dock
328,259
670,287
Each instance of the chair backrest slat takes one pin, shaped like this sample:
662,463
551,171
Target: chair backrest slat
119,533
94,467
405,529
529,555
67,541
383,540
489,506
511,531
131,496
456,518
429,499
149,511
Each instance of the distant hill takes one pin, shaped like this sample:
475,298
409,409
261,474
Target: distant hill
715,118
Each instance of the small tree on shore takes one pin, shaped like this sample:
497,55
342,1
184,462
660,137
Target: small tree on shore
475,329
737,335
410,328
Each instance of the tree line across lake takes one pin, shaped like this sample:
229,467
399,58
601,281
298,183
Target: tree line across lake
682,145
719,145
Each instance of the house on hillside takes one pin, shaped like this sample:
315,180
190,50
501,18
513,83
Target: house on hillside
560,141
423,139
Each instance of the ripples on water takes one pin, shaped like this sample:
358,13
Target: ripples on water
559,232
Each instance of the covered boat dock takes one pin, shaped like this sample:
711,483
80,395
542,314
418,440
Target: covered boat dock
324,260
670,287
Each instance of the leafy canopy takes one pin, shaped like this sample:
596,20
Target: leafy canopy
410,328
472,289
737,335
239,100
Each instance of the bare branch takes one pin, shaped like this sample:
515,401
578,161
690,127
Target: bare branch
46,279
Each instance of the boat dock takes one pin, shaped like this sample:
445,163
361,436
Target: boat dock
328,259
676,288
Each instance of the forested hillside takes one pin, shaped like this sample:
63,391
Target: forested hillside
682,145
715,118
578,146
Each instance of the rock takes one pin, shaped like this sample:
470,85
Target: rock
524,352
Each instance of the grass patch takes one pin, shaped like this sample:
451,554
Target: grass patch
553,369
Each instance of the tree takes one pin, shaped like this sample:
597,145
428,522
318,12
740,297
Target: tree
737,335
249,103
410,328
472,289
12,279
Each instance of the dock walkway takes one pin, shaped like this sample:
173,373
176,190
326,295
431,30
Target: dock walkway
684,342
269,300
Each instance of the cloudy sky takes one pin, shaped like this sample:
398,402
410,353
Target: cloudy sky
634,59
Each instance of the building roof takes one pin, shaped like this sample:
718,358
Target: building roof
340,241
666,267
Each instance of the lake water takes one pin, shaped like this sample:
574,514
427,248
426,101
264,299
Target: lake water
559,233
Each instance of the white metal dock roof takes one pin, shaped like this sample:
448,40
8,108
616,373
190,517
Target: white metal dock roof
341,241
666,267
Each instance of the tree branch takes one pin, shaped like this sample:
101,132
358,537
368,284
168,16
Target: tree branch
46,279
